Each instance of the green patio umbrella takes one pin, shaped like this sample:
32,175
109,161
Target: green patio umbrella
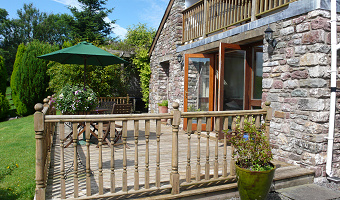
83,53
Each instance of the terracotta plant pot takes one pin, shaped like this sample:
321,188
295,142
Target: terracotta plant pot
254,184
163,109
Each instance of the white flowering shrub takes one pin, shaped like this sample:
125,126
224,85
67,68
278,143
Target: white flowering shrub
74,98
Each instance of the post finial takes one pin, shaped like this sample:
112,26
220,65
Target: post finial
38,107
267,103
175,105
46,100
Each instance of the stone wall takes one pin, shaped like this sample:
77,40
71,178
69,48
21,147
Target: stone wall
296,79
169,85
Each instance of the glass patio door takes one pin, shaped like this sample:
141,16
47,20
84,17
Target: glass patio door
198,85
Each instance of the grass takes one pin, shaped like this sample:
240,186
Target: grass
17,159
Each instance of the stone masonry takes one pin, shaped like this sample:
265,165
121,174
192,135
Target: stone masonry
296,79
168,84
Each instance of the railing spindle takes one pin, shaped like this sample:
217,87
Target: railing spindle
158,157
62,164
188,167
112,137
100,162
147,172
88,159
136,134
232,161
124,136
174,176
217,130
75,162
207,164
198,165
225,163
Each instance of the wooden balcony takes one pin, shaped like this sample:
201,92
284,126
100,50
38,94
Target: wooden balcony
211,16
152,159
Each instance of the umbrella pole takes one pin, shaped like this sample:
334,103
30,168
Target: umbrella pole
85,71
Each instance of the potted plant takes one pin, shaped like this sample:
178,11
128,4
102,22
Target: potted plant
163,108
74,99
254,171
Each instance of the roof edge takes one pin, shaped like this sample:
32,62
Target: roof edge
161,25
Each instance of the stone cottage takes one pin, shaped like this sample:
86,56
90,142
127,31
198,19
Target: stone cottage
213,55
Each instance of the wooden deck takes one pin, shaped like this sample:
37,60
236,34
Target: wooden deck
53,187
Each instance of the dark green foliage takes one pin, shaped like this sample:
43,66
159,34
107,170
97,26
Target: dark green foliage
31,24
139,39
3,76
89,23
14,86
4,107
31,78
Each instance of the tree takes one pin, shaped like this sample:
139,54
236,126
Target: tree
3,76
140,38
31,24
54,29
89,23
13,83
31,79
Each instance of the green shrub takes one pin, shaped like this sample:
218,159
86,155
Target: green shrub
4,107
31,79
3,76
18,59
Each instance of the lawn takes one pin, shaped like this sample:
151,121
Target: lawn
17,159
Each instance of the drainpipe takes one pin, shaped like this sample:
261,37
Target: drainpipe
334,48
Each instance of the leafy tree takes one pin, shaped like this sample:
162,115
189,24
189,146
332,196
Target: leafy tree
31,24
3,76
54,29
13,82
31,79
140,38
89,23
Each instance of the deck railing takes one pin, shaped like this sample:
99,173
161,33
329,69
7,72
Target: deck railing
141,166
44,133
209,16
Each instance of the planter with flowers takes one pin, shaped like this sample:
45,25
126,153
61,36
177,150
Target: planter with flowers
74,99
254,171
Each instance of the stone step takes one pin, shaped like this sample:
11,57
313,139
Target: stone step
285,176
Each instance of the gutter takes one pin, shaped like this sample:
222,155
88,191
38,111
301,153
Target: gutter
334,48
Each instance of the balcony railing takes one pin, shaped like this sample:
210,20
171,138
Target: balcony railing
210,16
149,161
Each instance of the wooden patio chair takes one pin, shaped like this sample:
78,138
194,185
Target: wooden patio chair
106,128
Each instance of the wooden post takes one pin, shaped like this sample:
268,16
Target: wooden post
40,161
62,164
254,9
136,134
174,162
113,176
268,118
205,18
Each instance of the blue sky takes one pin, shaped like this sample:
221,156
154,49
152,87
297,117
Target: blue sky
126,12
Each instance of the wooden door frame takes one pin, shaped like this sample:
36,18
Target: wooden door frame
211,82
248,74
